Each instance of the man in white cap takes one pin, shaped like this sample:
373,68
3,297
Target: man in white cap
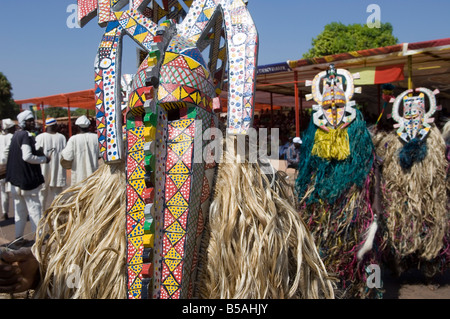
293,153
24,173
54,174
8,128
82,151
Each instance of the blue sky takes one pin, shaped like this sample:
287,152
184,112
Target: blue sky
41,56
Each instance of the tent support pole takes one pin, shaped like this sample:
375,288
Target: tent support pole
379,98
297,106
43,116
271,109
410,73
70,120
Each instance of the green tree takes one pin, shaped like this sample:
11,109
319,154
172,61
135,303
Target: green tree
339,38
52,112
57,112
80,111
8,108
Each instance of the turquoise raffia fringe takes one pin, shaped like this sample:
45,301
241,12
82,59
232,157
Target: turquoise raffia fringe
334,178
413,152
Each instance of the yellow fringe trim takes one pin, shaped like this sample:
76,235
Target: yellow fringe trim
331,145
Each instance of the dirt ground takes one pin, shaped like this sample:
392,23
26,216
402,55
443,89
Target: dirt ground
411,285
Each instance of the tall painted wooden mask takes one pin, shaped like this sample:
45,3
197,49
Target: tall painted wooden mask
169,112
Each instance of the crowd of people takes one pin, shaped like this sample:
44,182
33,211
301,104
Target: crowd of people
34,166
284,121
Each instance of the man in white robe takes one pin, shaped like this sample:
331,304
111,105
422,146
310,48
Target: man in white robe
8,128
82,151
54,174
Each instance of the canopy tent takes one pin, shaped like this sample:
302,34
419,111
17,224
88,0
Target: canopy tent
421,64
81,99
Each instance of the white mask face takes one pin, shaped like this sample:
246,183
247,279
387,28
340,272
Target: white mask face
415,122
335,108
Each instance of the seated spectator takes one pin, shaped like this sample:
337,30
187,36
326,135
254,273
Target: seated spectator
293,153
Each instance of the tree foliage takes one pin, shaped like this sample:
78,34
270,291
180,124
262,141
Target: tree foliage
79,112
8,108
339,38
53,112
58,112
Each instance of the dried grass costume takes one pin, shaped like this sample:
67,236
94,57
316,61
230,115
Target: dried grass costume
334,185
415,190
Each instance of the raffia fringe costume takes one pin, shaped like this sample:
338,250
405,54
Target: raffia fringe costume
416,219
334,185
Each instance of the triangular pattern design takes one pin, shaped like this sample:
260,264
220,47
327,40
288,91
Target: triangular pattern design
135,203
178,177
183,219
172,263
170,188
180,148
184,78
180,168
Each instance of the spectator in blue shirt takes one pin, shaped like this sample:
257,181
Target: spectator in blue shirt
293,153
